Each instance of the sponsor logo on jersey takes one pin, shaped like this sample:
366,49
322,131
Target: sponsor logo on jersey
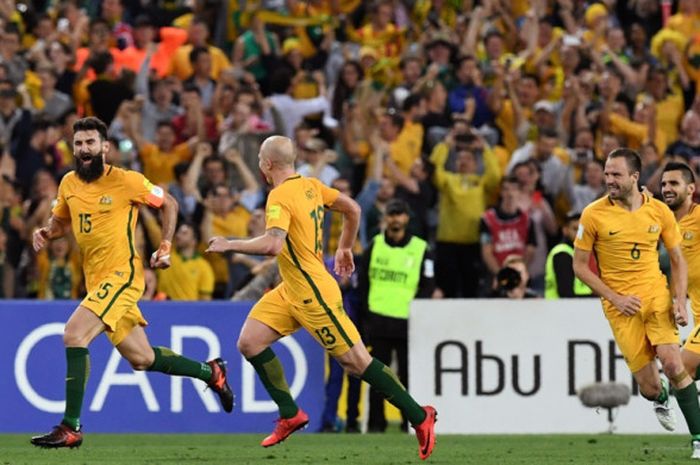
105,200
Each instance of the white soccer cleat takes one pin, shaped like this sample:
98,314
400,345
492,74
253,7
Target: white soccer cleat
696,450
664,412
665,415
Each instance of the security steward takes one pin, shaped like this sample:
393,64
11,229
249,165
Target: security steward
559,279
396,268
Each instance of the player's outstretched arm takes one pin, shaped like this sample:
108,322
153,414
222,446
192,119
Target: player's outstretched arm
270,243
161,257
57,227
344,264
679,281
626,304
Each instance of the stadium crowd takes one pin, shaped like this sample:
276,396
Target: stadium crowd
490,118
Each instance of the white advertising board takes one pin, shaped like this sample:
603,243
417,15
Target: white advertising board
514,366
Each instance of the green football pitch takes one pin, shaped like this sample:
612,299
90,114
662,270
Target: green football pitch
347,449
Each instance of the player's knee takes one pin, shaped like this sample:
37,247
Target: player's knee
248,347
73,339
140,362
650,392
672,368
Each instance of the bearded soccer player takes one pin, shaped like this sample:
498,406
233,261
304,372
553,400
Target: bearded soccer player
100,203
309,296
677,188
623,228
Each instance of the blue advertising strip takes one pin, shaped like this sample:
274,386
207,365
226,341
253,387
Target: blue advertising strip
119,399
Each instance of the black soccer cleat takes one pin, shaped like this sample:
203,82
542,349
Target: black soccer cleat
60,436
219,384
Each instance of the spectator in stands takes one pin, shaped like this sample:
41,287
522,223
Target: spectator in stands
593,186
54,103
60,55
318,162
223,216
688,143
190,277
198,35
15,123
59,274
253,50
511,280
464,197
34,158
194,120
556,176
469,99
106,93
351,74
535,204
506,230
560,281
293,110
14,62
200,61
160,158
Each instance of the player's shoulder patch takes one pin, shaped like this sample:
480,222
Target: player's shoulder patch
273,212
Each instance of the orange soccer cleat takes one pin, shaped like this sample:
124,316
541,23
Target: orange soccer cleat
425,433
285,427
60,436
219,383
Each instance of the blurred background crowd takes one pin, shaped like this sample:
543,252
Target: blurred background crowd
489,118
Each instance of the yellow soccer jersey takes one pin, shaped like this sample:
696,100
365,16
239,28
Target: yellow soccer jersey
103,216
297,206
186,279
690,231
625,243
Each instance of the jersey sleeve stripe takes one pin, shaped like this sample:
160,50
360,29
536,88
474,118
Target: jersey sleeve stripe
317,293
131,265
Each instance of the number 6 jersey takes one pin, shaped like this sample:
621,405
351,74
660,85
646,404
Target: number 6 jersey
626,243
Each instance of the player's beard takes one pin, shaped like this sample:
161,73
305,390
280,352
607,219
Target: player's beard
92,171
674,203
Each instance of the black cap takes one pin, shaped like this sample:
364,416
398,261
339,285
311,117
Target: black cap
397,207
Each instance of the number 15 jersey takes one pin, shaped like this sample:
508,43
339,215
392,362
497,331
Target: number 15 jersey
103,216
626,243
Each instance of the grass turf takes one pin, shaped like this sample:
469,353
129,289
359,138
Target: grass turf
348,449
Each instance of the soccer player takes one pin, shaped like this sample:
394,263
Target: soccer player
308,295
677,188
623,228
99,203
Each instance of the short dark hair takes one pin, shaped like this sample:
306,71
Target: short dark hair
165,122
196,51
396,119
91,123
686,171
101,61
634,161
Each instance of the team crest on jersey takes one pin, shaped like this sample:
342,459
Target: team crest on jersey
310,194
105,200
654,228
688,236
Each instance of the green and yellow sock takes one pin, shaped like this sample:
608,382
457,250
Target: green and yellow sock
77,372
271,373
688,402
381,378
168,362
